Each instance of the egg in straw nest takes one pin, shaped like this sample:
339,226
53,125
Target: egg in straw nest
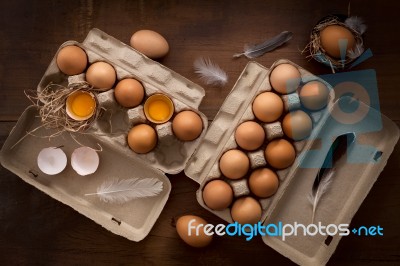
336,41
73,108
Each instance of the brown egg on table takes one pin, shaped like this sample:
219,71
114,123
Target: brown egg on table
285,78
217,195
267,107
129,92
263,182
246,210
297,125
335,37
71,60
142,138
150,43
280,153
101,75
186,228
234,164
187,125
249,135
314,95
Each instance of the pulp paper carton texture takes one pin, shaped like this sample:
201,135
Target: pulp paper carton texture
352,181
199,158
134,219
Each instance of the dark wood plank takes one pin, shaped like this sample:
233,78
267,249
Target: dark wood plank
35,229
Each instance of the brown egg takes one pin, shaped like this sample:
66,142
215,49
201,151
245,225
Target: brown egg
217,195
142,138
280,153
285,78
331,38
150,43
101,75
297,125
249,135
234,164
246,210
187,125
71,60
186,229
267,106
129,93
314,95
263,182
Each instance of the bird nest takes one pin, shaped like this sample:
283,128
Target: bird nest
316,51
51,102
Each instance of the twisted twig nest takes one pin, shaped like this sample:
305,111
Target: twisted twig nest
317,52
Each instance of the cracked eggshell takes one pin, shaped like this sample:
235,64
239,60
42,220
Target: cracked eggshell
85,160
81,105
52,160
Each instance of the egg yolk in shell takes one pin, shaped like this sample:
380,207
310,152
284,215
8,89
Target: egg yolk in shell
83,104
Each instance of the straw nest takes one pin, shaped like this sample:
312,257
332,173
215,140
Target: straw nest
316,51
51,102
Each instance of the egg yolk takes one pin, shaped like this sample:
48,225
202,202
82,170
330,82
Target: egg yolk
83,105
159,110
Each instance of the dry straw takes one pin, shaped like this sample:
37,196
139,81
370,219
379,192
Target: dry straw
317,52
51,102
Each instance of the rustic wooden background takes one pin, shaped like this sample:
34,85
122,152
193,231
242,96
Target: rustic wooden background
38,230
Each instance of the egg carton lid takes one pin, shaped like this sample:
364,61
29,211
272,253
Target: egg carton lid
132,220
351,184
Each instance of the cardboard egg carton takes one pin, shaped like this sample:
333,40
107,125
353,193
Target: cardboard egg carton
352,179
135,218
170,154
237,109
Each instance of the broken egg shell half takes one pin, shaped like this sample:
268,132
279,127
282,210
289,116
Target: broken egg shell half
52,160
79,99
85,160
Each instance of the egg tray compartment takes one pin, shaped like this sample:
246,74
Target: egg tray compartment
133,219
237,108
170,154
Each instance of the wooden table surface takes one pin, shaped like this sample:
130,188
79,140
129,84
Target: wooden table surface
38,230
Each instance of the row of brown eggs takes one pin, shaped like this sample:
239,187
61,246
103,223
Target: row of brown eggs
129,93
279,153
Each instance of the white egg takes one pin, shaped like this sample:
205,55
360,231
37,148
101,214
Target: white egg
84,160
52,160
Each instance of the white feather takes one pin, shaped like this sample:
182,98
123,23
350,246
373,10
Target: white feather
356,52
356,24
209,72
315,196
121,191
